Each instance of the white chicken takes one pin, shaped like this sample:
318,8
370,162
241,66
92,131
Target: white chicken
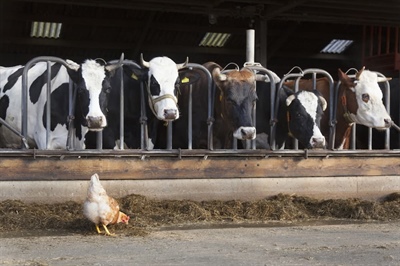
100,208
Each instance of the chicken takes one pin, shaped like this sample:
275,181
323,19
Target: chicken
100,208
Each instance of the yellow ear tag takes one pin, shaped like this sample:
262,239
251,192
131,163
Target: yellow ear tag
185,80
134,76
220,97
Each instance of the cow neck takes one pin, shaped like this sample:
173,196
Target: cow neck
346,113
344,123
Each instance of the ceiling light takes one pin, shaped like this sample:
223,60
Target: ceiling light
45,29
214,39
336,46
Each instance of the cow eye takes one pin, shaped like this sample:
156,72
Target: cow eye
365,97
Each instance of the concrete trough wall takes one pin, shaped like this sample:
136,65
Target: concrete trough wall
55,179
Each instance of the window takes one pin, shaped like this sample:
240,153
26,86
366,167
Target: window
45,29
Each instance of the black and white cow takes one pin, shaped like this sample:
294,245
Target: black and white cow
92,79
160,76
298,115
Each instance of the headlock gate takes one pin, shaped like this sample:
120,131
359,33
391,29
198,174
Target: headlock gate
30,164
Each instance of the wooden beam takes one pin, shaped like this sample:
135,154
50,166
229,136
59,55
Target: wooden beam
69,168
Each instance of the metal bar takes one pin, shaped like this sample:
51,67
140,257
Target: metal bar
211,96
99,140
190,122
122,111
169,136
71,111
267,73
48,106
250,41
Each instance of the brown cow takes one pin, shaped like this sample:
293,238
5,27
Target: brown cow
234,99
359,101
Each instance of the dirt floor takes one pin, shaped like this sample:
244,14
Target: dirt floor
281,230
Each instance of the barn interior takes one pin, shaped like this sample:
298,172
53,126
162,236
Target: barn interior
288,33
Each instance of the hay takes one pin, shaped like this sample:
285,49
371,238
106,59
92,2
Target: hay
147,214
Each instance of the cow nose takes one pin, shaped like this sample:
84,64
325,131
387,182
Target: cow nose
248,132
95,121
388,122
170,114
318,142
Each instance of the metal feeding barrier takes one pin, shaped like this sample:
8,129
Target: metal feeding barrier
24,98
262,75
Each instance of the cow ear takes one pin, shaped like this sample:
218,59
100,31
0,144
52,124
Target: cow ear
324,103
345,79
290,99
187,77
112,67
136,73
72,65
73,70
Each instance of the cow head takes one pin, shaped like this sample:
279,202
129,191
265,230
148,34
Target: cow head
304,112
162,82
362,98
92,79
238,97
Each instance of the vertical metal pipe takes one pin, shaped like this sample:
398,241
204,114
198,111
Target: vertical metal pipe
71,125
169,136
48,106
144,135
99,140
122,114
190,122
24,102
250,41
369,138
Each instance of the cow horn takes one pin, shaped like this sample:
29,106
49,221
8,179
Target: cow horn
290,99
180,66
359,73
144,63
117,65
218,75
383,79
324,103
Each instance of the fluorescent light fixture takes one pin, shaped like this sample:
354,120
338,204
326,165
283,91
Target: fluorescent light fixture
214,39
45,29
336,46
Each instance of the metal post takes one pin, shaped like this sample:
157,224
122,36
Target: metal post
122,114
250,41
48,106
190,122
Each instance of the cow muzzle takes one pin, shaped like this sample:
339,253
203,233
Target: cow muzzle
317,142
244,133
96,123
170,114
